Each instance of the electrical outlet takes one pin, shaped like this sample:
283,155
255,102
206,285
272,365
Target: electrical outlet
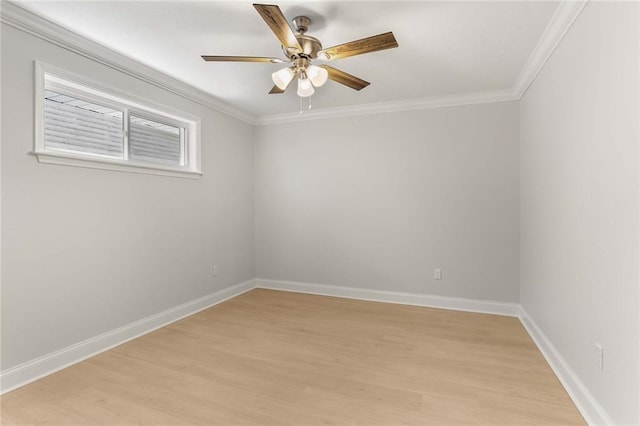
437,274
599,356
215,270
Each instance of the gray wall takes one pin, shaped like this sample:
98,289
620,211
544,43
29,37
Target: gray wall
579,135
378,201
86,251
373,202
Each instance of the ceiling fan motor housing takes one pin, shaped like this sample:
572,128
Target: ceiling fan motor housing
310,45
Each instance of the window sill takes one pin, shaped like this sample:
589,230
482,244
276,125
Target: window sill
113,165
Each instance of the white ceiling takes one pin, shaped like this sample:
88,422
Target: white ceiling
446,48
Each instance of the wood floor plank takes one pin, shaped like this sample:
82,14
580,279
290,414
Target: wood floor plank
269,357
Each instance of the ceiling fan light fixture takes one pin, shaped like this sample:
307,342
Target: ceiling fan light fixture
305,88
301,49
317,75
283,77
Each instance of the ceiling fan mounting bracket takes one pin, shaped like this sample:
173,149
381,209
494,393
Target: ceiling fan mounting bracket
301,24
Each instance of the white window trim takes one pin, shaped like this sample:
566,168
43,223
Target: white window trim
142,107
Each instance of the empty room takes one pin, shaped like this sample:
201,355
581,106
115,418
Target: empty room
320,212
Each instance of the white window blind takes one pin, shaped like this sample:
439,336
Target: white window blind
82,123
75,125
153,141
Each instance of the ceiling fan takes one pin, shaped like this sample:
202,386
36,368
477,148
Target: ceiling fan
302,49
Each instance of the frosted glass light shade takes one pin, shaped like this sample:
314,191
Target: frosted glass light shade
283,77
305,88
317,75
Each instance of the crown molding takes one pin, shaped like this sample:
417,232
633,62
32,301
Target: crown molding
559,24
15,16
392,106
562,19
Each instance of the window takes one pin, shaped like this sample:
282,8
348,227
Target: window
79,123
78,126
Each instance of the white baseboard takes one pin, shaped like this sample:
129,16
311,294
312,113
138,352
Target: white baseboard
588,406
454,303
30,371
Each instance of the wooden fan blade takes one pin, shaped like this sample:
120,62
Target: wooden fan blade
275,90
345,78
358,47
210,58
274,18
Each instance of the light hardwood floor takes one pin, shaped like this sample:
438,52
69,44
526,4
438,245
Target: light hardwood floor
275,358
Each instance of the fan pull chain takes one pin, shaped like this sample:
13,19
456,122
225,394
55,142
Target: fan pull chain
301,105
